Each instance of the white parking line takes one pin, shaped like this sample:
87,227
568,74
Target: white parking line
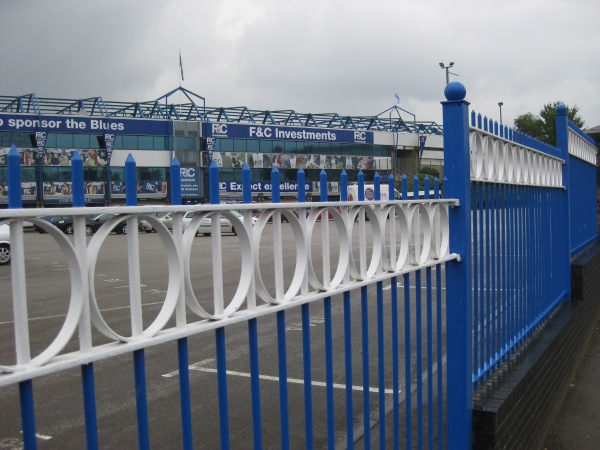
31,319
201,367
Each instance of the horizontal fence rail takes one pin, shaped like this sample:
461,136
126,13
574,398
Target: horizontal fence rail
421,227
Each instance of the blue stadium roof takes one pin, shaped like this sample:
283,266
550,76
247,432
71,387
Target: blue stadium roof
195,109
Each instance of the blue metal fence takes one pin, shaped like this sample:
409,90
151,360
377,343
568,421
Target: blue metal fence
441,293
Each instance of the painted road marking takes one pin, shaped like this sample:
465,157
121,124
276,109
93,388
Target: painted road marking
201,367
31,319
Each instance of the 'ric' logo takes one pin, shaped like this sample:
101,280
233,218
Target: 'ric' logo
187,172
360,136
219,128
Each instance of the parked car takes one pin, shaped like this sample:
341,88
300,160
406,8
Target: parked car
100,219
57,221
4,244
257,212
144,225
164,217
205,227
187,218
92,223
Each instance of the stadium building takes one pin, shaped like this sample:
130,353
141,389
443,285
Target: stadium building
47,131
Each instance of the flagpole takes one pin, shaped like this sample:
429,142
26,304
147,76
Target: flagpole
180,69
181,79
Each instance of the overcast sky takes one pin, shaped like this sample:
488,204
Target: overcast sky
317,56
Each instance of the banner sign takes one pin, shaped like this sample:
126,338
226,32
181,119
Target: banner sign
79,124
422,140
40,142
236,160
263,186
190,182
210,148
239,131
109,142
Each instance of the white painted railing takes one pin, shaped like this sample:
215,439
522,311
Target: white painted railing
406,236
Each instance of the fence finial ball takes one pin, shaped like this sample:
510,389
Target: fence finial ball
455,91
561,109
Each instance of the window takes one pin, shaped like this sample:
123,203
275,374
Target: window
239,145
290,146
252,146
146,142
159,143
266,146
64,141
130,142
81,141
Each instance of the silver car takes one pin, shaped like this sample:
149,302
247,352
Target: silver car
4,244
205,227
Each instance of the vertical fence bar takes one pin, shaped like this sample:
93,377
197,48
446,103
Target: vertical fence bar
458,308
182,343
328,318
480,298
221,346
395,326
407,341
418,324
488,275
493,274
281,337
15,201
439,338
306,350
475,249
347,336
253,332
380,335
429,291
139,359
504,278
85,332
364,306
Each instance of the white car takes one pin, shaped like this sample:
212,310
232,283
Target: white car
165,218
4,244
205,227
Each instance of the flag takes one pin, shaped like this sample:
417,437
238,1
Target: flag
396,98
181,65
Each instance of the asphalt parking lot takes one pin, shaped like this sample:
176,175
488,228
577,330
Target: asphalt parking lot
58,397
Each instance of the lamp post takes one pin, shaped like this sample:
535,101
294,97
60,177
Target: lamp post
500,106
447,71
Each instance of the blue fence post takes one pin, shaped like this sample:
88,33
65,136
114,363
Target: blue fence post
15,191
459,328
562,143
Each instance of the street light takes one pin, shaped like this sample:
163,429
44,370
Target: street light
447,71
500,105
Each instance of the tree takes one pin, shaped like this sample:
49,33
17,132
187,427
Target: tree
543,127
